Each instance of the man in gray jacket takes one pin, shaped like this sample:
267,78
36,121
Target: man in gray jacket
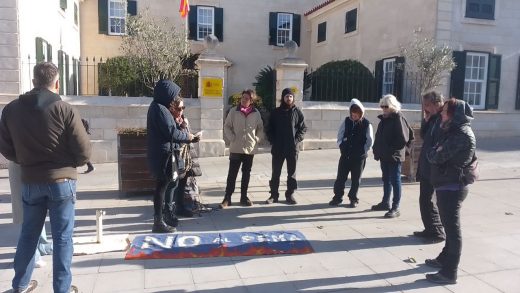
45,136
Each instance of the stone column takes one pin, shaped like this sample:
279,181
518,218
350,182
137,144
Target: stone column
212,73
289,73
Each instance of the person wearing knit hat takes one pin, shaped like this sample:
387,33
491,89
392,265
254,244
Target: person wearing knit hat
161,131
285,133
355,137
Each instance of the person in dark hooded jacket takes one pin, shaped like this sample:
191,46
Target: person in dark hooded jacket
286,131
454,151
161,132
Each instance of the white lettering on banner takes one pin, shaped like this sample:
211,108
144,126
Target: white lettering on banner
216,240
168,242
262,238
279,238
188,241
294,238
247,238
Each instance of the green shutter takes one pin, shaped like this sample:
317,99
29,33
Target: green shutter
273,19
399,78
76,14
493,84
74,76
103,16
379,79
39,50
131,7
63,4
192,23
351,21
49,52
60,69
67,75
458,75
219,24
296,28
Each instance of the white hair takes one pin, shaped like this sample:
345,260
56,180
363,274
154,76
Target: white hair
390,101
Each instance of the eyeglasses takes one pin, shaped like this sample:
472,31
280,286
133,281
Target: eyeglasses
384,107
180,108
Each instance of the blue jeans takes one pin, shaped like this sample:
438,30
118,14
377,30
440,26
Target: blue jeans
391,180
58,199
44,246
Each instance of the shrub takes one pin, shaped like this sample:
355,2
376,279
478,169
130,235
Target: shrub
265,87
118,77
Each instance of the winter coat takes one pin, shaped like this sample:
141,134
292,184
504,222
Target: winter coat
45,136
355,138
393,136
430,132
286,130
243,132
454,150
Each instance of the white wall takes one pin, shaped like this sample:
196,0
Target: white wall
45,19
9,49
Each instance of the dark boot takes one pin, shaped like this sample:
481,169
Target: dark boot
225,203
169,217
289,198
159,226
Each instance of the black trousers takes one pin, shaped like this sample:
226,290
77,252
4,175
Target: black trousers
235,160
449,203
159,197
345,166
277,164
429,211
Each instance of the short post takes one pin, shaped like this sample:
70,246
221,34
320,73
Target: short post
99,225
289,73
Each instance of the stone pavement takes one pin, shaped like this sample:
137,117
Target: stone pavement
356,249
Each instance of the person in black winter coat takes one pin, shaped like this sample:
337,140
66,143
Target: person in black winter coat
355,137
393,136
285,133
161,132
90,167
430,130
454,151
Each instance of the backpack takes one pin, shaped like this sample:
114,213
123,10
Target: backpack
470,172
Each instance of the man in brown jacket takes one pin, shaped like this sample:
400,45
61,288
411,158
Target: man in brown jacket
45,136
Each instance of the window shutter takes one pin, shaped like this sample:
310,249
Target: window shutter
379,79
493,82
67,74
192,23
296,28
131,7
219,23
399,78
273,19
351,21
49,52
322,32
458,75
63,4
103,16
76,14
60,70
39,50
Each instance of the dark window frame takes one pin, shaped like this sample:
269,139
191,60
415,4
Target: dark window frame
474,9
351,21
322,32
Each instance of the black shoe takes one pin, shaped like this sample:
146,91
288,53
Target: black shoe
289,199
272,199
393,213
89,169
438,278
433,240
434,263
335,201
225,203
184,213
159,226
381,207
169,218
246,202
73,289
422,234
353,204
30,288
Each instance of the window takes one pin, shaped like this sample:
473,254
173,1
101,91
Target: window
43,51
476,79
351,21
63,4
205,22
322,32
283,27
388,76
482,9
117,17
76,14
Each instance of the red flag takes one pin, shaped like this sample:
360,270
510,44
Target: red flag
184,8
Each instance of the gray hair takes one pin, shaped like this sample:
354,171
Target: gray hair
390,101
434,97
45,73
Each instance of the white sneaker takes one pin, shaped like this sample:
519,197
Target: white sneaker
40,264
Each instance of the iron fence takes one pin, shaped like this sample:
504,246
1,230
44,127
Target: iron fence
90,77
338,85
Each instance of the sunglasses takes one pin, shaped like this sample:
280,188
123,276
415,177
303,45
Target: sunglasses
179,108
384,107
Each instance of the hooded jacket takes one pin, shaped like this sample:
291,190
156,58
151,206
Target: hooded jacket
393,135
45,136
455,148
355,138
286,128
161,128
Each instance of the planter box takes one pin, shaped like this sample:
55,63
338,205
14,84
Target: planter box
409,168
134,176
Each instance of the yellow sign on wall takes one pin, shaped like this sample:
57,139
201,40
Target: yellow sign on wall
212,87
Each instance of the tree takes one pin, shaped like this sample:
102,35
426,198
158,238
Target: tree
429,59
119,77
156,48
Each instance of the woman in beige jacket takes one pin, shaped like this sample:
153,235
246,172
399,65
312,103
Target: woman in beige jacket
242,128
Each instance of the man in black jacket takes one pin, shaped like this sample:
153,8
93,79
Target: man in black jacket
285,133
430,127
